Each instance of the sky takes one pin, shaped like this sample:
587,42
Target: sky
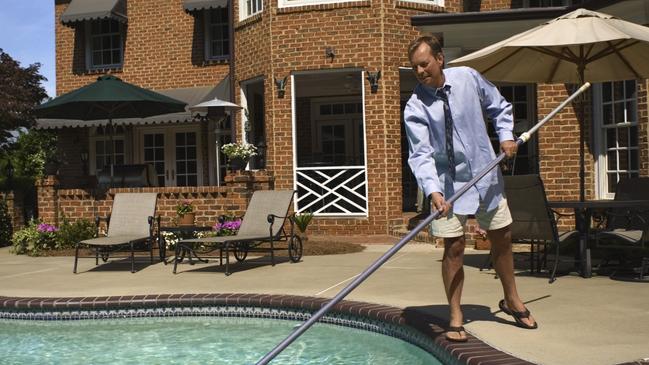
27,35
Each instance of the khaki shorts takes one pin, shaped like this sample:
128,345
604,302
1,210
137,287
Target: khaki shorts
453,224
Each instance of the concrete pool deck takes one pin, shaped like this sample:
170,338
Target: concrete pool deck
581,321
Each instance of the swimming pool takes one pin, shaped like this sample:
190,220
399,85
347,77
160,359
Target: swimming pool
411,328
197,340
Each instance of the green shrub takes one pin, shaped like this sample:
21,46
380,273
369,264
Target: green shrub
34,239
302,220
70,233
6,227
37,237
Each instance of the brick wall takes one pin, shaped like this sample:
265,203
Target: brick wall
163,49
370,35
15,208
210,201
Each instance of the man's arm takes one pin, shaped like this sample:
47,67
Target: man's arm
421,159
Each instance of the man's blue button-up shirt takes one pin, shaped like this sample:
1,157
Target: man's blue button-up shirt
470,97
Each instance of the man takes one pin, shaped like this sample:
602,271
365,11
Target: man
451,102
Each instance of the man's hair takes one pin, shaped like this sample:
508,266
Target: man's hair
431,41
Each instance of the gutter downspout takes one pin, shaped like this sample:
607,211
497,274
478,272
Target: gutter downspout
233,123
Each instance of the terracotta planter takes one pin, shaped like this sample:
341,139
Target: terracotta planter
187,219
482,244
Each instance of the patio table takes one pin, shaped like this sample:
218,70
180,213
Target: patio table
583,216
183,232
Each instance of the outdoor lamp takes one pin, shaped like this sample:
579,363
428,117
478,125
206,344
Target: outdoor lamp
84,161
281,86
373,78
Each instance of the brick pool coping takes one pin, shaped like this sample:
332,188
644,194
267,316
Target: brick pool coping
472,352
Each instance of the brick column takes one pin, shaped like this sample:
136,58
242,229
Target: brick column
48,202
16,209
244,183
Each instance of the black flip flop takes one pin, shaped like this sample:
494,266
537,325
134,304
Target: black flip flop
518,316
458,330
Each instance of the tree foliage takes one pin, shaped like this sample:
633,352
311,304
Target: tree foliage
20,92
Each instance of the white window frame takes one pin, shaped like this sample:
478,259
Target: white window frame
427,2
601,168
92,151
248,8
89,49
208,36
170,150
526,4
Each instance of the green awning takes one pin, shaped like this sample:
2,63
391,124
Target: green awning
195,5
84,10
191,96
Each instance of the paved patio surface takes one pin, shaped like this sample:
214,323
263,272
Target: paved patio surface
582,321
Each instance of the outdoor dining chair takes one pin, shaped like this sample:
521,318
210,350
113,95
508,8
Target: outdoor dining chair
534,222
130,225
626,232
261,228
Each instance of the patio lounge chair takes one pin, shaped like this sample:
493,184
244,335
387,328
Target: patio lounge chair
533,220
627,231
263,223
129,224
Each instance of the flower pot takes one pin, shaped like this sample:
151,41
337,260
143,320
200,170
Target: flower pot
238,164
187,219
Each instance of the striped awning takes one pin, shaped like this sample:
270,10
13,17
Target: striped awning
191,96
84,10
195,5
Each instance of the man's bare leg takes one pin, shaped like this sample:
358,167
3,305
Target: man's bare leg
503,259
453,277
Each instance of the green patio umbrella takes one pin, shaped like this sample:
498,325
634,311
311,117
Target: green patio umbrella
107,98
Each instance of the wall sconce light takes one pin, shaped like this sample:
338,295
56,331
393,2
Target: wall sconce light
281,86
373,78
84,162
330,52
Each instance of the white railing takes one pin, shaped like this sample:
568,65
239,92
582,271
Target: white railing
332,190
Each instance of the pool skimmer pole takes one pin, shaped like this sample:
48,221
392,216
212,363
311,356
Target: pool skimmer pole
299,329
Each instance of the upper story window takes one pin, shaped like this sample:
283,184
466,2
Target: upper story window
104,46
249,8
217,39
543,3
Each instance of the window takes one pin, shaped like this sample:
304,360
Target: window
617,119
105,46
543,3
250,8
522,99
217,39
102,153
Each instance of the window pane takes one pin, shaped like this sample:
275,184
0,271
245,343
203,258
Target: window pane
607,114
610,138
630,89
612,160
634,165
612,182
606,91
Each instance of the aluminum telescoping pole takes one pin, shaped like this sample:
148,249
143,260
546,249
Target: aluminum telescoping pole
365,274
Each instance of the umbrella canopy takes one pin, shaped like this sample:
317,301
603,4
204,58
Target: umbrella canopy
107,98
214,103
577,47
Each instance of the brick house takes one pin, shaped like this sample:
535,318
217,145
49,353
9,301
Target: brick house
322,83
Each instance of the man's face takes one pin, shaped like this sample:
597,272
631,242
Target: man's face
428,68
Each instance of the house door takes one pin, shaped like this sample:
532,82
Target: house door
174,154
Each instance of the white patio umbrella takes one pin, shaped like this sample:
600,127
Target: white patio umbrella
574,48
222,106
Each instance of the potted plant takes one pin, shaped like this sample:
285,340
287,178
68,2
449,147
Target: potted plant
302,221
239,154
185,213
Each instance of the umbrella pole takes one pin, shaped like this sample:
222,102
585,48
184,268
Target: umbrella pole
300,329
582,138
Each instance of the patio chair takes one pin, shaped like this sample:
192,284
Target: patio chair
263,223
626,232
533,220
130,224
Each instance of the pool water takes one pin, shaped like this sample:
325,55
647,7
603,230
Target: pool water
196,340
